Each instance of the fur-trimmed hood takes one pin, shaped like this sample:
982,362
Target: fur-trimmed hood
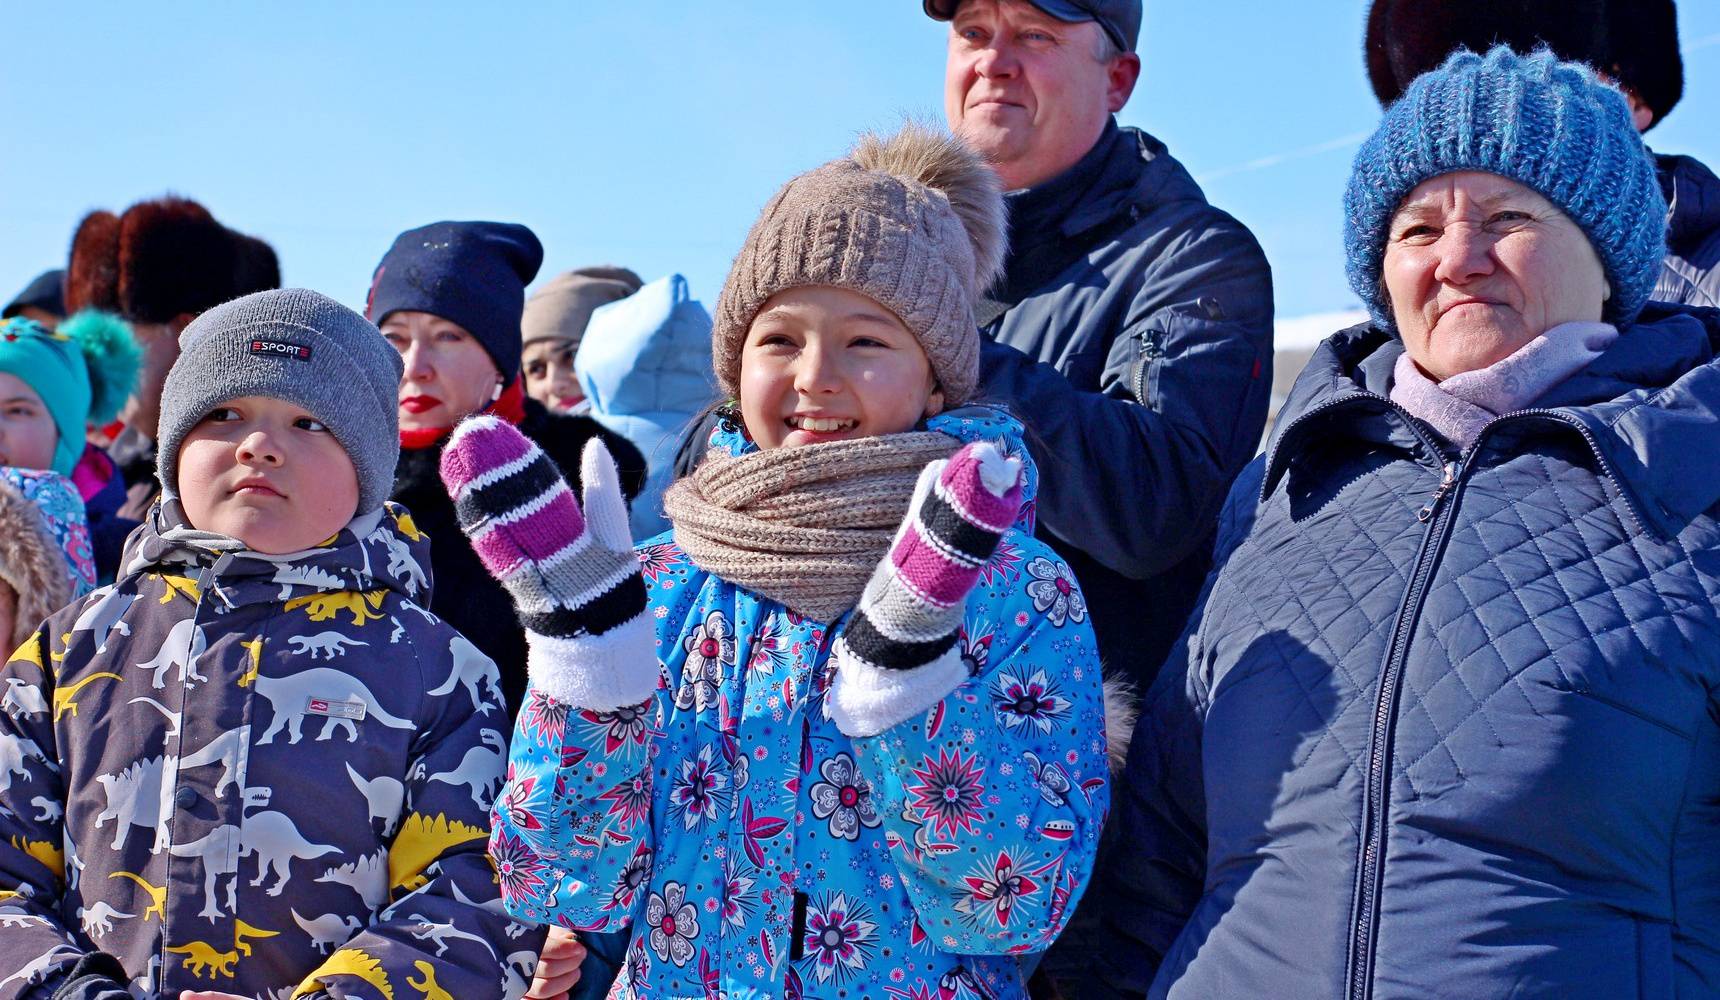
44,547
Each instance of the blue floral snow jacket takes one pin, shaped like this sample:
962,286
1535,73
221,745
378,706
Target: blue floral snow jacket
757,851
1456,740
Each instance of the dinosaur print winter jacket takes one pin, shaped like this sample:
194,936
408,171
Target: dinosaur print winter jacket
754,850
268,776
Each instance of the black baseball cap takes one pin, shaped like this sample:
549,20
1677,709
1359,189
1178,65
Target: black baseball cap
1121,19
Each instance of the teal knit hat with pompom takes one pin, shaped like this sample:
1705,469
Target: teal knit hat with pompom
83,371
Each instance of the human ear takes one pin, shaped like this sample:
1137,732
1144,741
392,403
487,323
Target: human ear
934,403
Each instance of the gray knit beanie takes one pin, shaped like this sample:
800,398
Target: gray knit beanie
299,346
914,221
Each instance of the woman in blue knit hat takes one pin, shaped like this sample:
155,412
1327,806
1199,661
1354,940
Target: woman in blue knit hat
1445,723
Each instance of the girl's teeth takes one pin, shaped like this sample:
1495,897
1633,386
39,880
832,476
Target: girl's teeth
820,426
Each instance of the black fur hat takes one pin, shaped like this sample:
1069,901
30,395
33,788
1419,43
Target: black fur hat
1633,41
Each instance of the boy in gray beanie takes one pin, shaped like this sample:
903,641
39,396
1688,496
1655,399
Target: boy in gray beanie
270,617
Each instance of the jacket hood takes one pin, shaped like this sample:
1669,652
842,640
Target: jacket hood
381,550
648,354
1693,199
967,425
1643,407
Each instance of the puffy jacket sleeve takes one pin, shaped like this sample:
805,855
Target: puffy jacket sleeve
37,948
993,800
445,927
1134,471
1154,880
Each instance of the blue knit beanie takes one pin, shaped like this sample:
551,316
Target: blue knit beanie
1550,126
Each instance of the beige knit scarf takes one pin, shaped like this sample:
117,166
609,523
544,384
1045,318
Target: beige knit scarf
802,526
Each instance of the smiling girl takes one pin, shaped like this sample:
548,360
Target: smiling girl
841,733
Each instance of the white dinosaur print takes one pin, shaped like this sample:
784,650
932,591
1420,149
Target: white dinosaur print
98,919
430,930
330,644
14,751
47,810
481,768
228,750
184,644
276,842
331,930
140,794
23,699
471,668
290,697
314,577
169,714
383,794
103,616
368,876
517,973
14,919
401,565
219,853
38,966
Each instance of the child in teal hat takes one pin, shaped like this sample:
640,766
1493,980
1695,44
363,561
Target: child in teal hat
55,383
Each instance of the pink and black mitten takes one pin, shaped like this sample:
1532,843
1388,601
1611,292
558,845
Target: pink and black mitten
897,656
573,576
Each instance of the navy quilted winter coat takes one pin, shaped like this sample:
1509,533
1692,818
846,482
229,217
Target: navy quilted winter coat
1446,726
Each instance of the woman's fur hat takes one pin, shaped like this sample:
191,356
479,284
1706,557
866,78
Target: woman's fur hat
1634,42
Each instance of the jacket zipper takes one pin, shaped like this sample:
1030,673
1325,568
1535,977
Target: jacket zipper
1368,875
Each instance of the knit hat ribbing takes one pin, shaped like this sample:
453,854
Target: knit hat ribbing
471,273
1550,126
295,345
914,221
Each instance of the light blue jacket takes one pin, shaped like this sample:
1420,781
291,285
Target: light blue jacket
645,366
756,851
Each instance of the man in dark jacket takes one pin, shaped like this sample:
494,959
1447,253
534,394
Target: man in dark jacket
1132,328
1633,42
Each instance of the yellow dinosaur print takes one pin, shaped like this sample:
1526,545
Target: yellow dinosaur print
30,652
408,527
348,962
201,955
157,894
67,697
420,842
322,607
254,649
51,857
242,930
431,989
178,585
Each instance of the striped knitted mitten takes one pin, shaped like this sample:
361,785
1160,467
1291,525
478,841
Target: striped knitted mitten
573,577
897,656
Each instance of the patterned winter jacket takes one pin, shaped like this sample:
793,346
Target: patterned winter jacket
757,851
268,776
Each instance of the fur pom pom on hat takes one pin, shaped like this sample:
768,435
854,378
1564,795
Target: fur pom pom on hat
83,371
914,221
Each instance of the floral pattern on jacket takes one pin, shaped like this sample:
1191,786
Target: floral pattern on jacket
269,776
756,851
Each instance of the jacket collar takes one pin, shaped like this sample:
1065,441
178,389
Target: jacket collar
1693,201
1126,167
1643,407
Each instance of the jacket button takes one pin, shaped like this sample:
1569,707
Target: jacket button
185,798
1213,308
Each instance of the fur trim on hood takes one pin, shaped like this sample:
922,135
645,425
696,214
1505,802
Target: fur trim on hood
1122,708
30,564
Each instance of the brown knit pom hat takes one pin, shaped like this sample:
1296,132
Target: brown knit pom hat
914,221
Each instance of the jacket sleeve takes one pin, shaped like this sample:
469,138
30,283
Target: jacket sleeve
37,948
993,800
445,927
1133,473
1154,882
574,822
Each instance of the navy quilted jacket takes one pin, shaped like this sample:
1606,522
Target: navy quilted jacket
1446,725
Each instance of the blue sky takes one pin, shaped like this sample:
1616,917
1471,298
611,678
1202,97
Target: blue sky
646,133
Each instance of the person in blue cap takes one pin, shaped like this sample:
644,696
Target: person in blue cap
1444,724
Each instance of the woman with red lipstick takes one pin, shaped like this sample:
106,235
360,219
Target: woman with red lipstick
449,297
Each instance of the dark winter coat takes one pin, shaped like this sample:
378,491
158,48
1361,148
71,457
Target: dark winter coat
258,775
468,598
1692,271
1456,740
1151,312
